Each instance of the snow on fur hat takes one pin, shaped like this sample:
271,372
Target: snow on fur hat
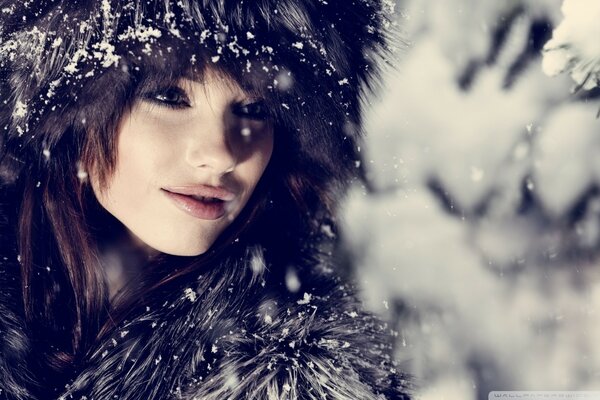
68,67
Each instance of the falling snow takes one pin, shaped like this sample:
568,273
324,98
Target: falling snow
292,282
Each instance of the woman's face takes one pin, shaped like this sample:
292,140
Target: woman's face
178,143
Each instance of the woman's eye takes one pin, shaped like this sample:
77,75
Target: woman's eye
257,110
172,97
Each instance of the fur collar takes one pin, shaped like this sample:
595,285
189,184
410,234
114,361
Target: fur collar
235,332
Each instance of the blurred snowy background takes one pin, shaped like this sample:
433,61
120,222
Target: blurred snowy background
479,237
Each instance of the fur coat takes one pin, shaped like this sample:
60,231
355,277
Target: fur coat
241,330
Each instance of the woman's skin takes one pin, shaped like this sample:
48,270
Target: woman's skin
197,133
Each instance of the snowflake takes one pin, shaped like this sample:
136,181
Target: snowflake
56,43
20,109
190,294
307,298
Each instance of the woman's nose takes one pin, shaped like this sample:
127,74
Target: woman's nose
210,147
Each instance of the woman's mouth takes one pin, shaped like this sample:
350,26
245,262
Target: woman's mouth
209,208
206,199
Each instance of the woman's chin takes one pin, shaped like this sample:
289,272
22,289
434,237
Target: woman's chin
155,245
178,248
186,252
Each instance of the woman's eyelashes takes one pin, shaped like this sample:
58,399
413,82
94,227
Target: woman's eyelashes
175,97
171,97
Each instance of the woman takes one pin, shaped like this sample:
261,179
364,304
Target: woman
170,171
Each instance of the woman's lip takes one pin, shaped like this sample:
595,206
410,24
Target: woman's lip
196,208
202,191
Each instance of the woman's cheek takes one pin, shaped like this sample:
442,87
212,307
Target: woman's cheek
153,145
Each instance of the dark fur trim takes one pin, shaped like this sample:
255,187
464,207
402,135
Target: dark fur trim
237,332
229,338
15,377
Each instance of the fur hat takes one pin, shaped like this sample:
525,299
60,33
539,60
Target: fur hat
72,64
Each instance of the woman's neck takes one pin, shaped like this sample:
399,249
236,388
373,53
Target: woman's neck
123,258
